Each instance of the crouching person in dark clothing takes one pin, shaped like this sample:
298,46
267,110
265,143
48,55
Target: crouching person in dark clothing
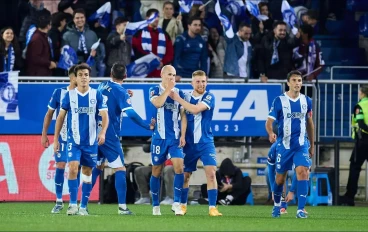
233,187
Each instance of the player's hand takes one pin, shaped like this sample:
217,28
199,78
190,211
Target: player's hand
56,146
289,197
311,151
130,92
174,95
152,124
101,139
272,137
182,141
45,141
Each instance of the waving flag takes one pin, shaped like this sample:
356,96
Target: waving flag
132,28
30,33
185,5
235,7
252,7
143,66
225,21
102,15
68,58
9,95
289,16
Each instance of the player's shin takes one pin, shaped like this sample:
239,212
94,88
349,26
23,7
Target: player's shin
178,186
155,190
96,172
185,189
302,193
86,189
120,186
59,182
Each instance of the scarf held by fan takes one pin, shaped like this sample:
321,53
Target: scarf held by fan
147,42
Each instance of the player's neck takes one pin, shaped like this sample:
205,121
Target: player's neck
196,94
71,87
83,89
117,81
293,94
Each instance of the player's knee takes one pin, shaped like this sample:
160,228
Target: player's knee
73,169
211,175
60,165
87,171
156,170
302,173
86,178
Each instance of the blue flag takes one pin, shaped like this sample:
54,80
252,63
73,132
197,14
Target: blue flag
132,28
30,33
68,57
225,21
235,7
185,5
102,15
143,66
9,95
289,16
253,9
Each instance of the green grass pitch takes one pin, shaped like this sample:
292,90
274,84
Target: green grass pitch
37,217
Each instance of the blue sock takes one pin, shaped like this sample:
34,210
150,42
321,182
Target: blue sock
277,192
302,193
73,191
178,185
120,186
86,191
184,195
212,197
95,173
59,182
155,190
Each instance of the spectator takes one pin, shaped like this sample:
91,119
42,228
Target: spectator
233,187
168,23
151,4
119,47
81,38
142,176
58,23
190,50
309,53
261,28
36,9
39,55
238,54
52,6
153,39
216,48
275,53
10,54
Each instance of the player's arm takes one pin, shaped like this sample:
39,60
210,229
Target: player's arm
194,109
46,124
58,126
184,122
105,123
159,100
310,127
272,115
136,118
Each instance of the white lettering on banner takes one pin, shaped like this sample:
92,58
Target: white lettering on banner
9,169
220,104
138,103
260,111
258,98
47,171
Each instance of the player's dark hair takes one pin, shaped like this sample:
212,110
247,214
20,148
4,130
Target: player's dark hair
292,73
82,66
118,71
364,89
71,70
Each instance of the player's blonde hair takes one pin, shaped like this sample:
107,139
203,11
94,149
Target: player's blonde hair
198,73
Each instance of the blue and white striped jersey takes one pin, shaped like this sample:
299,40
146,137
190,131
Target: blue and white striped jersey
292,115
118,102
167,116
83,111
55,104
199,125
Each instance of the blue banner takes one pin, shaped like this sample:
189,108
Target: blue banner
240,109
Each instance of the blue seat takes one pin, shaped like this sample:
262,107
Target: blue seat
250,199
317,197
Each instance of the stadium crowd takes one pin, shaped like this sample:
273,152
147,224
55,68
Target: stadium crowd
266,49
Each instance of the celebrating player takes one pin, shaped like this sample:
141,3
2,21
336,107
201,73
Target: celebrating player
293,111
166,143
199,105
61,156
82,105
